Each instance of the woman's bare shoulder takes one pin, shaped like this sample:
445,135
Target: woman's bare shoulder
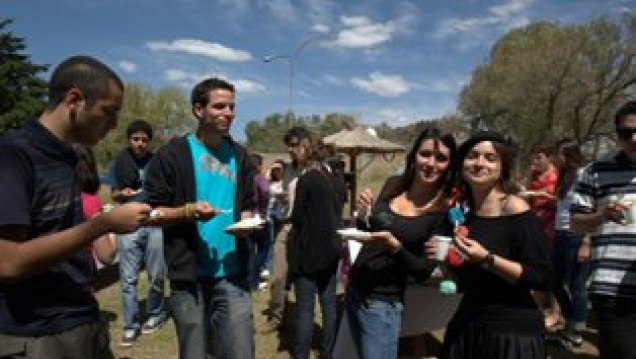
515,205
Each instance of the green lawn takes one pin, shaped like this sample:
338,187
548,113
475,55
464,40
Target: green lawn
275,345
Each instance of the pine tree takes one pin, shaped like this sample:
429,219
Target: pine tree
22,93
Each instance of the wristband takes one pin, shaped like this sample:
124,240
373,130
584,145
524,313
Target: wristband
189,210
488,262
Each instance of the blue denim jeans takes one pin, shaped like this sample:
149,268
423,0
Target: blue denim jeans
260,253
144,244
306,289
375,325
568,271
214,317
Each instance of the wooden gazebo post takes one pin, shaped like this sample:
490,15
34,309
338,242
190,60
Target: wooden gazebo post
355,142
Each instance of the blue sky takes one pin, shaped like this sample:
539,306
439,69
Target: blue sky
379,60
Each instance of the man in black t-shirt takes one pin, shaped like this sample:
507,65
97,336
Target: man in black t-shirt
47,307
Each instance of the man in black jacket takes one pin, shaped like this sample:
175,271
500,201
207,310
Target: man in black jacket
144,244
202,183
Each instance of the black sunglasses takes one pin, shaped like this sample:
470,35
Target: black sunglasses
625,133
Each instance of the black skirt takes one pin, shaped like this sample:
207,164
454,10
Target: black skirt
492,340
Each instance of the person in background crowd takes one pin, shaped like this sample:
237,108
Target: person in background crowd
315,246
279,279
275,210
47,306
506,258
410,210
105,248
571,251
603,206
144,244
201,184
541,194
262,239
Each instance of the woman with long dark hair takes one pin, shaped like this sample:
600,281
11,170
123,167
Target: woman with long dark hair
409,211
506,258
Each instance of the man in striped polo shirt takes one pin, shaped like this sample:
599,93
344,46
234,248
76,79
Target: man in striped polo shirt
603,195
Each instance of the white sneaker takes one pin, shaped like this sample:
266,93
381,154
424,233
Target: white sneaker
262,285
265,274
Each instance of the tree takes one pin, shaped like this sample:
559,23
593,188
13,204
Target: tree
546,81
22,93
167,109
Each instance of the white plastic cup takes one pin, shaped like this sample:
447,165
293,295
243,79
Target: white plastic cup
443,242
631,214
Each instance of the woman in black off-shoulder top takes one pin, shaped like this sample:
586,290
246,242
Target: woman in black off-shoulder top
506,259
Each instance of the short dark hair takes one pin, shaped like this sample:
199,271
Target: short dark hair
139,126
200,92
85,72
627,109
86,169
256,160
505,147
297,132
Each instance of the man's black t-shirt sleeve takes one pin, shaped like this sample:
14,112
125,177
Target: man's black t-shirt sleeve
16,181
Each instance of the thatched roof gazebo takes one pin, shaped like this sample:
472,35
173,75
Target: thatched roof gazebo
358,141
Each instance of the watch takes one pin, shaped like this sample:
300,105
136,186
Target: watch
488,262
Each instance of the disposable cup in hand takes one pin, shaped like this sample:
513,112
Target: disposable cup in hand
631,214
442,247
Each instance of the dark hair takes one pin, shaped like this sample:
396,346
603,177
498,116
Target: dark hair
139,126
87,73
506,149
201,92
296,132
256,160
545,149
572,160
86,169
403,182
627,109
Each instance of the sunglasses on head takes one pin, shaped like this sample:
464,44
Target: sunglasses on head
625,133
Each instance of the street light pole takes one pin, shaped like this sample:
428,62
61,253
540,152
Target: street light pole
292,70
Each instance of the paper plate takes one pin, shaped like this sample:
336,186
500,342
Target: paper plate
354,233
249,223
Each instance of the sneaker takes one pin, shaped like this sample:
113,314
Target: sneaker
572,338
262,285
128,337
151,325
265,274
271,325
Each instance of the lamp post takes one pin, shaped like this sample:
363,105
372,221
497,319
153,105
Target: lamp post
291,59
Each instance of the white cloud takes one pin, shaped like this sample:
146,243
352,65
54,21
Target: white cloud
187,79
320,28
381,84
474,31
393,116
127,66
248,86
510,8
200,47
360,32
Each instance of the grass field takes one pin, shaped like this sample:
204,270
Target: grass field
276,345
